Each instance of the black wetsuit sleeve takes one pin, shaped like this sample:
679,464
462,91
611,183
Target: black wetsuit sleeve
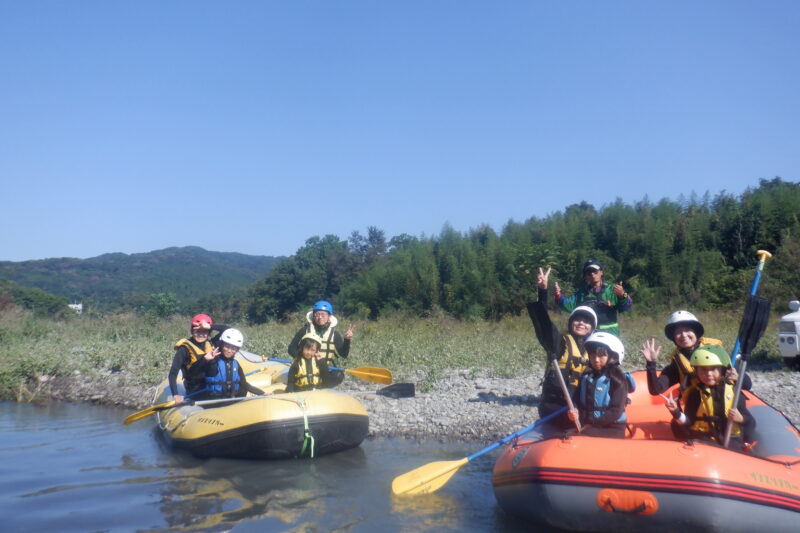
219,328
546,332
325,374
749,423
211,370
657,384
341,344
747,383
690,410
292,349
290,386
181,355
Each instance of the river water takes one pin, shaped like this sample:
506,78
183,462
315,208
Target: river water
72,467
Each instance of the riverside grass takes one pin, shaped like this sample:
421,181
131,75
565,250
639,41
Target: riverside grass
419,349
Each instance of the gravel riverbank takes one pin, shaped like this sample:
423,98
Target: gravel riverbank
466,405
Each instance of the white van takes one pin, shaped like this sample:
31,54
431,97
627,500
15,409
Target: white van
789,336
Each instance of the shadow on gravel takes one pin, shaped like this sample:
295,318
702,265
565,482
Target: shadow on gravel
520,399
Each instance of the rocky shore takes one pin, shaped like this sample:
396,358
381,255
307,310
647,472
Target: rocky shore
466,405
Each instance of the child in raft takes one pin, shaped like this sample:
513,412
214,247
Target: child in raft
309,370
568,349
224,377
686,332
603,391
709,403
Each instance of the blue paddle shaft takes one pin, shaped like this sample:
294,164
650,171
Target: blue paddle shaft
516,434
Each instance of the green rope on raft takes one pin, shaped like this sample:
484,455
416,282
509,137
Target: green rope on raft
307,436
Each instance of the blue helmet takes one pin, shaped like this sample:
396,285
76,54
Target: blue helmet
323,305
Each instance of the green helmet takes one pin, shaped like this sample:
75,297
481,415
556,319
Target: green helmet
710,356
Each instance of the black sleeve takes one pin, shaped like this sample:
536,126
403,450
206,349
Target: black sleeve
325,374
658,384
219,328
546,332
619,399
211,370
690,410
290,387
292,349
181,354
541,294
341,344
747,383
749,423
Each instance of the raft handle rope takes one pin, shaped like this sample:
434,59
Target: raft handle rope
308,437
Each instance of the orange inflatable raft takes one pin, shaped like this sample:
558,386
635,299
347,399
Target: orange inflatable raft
651,482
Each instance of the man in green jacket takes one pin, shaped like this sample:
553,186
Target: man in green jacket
605,299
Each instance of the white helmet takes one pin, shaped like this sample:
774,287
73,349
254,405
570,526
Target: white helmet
610,341
584,310
682,318
233,337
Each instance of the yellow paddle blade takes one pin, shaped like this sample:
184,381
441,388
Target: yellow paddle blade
427,478
372,374
144,413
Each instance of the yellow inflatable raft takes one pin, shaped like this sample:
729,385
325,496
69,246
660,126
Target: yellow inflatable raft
275,426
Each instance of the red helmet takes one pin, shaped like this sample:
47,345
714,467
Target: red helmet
201,321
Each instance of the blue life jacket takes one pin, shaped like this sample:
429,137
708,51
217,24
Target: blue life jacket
222,384
601,385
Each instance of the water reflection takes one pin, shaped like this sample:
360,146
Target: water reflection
77,468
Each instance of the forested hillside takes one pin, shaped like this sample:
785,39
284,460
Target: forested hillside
692,252
36,300
113,281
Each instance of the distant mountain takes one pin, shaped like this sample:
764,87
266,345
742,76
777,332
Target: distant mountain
108,280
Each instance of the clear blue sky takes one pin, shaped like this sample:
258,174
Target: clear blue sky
252,126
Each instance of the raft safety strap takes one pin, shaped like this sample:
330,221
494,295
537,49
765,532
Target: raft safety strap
307,436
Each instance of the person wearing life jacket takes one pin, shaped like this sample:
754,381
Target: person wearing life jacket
321,322
192,354
309,370
567,348
603,391
709,403
686,332
224,377
607,300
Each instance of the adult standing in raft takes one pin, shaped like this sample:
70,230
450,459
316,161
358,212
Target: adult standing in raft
192,354
686,332
607,300
567,347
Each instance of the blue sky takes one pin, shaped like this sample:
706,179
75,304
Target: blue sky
252,126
